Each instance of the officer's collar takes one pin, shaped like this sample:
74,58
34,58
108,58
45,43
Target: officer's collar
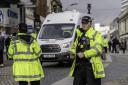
89,30
83,31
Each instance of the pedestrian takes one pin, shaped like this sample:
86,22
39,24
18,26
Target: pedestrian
105,42
7,42
25,52
87,49
110,45
105,49
1,50
123,45
115,45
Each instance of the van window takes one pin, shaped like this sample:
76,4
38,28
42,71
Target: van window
55,31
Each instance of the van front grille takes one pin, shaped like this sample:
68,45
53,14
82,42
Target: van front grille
50,48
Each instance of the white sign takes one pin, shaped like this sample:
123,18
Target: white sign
49,56
13,15
1,16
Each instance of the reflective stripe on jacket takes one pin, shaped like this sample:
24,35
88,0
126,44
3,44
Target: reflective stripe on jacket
105,42
95,51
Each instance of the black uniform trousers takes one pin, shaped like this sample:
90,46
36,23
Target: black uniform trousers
83,75
1,56
32,83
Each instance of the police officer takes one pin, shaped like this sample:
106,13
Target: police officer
105,42
87,67
105,50
25,51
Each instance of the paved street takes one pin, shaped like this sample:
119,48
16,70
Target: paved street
117,73
53,73
5,75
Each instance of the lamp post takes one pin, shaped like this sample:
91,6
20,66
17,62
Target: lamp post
73,4
89,8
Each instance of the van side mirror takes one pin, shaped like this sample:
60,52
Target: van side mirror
67,34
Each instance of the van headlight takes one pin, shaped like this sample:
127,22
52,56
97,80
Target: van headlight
66,45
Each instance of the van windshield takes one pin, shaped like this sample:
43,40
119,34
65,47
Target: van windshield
55,31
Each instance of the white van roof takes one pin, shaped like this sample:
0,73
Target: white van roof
63,17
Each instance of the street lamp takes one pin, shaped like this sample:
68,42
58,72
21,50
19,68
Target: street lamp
73,4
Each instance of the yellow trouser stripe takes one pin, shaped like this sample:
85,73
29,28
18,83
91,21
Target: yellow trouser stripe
29,76
100,73
30,60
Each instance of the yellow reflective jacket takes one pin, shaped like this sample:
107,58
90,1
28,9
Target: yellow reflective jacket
105,42
95,51
26,65
34,35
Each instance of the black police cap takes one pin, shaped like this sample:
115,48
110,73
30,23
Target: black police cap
86,19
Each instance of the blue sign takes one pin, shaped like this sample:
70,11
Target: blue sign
1,16
12,14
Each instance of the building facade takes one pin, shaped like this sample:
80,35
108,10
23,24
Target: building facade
123,25
124,5
26,11
114,28
9,16
123,21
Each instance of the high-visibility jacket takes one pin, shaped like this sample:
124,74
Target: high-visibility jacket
94,53
105,42
34,35
26,65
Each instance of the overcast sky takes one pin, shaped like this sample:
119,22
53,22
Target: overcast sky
103,11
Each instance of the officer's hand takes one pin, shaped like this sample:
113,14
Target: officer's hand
80,55
72,56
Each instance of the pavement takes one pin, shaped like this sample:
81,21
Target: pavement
7,79
69,80
6,74
118,81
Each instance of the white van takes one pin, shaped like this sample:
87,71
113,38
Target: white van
56,35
